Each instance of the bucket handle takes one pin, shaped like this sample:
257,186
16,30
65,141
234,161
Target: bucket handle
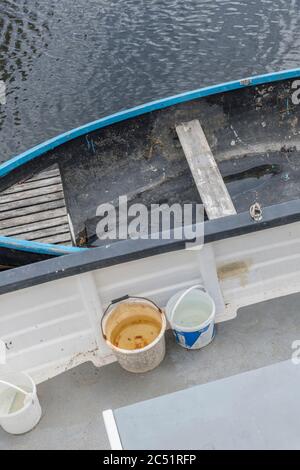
120,299
15,387
197,286
2,352
3,362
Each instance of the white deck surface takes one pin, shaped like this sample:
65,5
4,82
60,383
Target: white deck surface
73,402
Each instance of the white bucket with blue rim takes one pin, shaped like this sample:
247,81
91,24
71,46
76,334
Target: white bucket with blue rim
191,313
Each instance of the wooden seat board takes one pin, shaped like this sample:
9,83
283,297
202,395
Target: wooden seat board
35,209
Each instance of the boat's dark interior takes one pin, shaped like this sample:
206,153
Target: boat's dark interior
10,259
254,135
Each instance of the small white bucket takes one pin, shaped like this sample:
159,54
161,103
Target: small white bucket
191,314
20,410
146,353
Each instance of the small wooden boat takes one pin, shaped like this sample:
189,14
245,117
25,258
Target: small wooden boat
234,147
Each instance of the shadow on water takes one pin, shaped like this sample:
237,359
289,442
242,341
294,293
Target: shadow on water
66,63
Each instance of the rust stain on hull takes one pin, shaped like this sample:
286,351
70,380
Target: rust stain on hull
238,269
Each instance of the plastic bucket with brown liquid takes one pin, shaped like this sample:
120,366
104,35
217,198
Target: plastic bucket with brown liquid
134,328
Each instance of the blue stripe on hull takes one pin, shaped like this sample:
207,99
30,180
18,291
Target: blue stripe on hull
36,247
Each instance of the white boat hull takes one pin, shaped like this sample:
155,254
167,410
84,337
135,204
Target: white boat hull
52,327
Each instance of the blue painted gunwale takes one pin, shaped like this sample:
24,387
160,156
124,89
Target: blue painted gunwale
55,142
37,247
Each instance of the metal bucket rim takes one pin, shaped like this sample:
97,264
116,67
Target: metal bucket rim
188,329
150,345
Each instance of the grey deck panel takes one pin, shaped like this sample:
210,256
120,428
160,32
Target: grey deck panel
35,209
253,410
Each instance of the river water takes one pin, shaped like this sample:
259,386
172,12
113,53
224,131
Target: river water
67,62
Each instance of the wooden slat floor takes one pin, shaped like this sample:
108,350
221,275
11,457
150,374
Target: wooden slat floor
35,209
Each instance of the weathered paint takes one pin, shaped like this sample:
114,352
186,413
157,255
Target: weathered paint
238,269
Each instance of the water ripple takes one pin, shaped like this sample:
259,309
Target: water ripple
66,63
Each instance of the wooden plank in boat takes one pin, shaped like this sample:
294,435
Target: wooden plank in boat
31,227
30,193
37,235
35,209
33,218
28,185
29,202
53,171
205,171
58,239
